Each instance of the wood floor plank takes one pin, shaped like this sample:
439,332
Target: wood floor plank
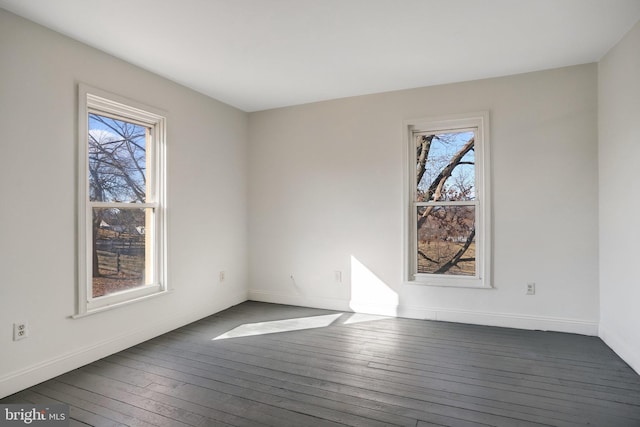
452,411
172,380
216,416
358,398
389,384
275,396
439,347
124,392
356,370
378,347
365,393
499,392
428,361
418,363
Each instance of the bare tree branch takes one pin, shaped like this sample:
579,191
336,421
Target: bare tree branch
423,255
457,257
435,189
423,147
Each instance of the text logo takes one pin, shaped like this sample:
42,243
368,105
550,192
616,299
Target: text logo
34,415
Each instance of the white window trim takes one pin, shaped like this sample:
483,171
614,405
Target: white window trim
483,278
97,100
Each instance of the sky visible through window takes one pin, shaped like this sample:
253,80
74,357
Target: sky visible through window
117,160
461,184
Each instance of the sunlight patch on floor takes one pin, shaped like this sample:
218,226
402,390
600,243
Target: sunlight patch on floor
275,326
362,317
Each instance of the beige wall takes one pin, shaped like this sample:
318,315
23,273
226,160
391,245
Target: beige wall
207,141
325,195
619,151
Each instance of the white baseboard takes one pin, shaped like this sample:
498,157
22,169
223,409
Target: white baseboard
299,300
621,347
23,378
506,320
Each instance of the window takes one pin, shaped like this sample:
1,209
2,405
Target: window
121,197
447,221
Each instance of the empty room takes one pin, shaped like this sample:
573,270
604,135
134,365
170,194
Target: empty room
319,212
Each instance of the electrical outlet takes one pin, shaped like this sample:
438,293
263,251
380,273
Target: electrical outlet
20,331
531,288
221,276
337,276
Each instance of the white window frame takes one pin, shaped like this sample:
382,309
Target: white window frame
479,122
97,101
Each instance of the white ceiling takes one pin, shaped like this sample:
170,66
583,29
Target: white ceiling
261,54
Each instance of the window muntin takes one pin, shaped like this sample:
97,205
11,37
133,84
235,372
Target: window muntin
122,228
447,229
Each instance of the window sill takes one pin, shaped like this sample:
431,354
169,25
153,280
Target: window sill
449,282
114,305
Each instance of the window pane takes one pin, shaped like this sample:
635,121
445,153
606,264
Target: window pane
445,169
117,160
120,249
446,240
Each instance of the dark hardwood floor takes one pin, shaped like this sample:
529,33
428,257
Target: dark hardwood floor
293,366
